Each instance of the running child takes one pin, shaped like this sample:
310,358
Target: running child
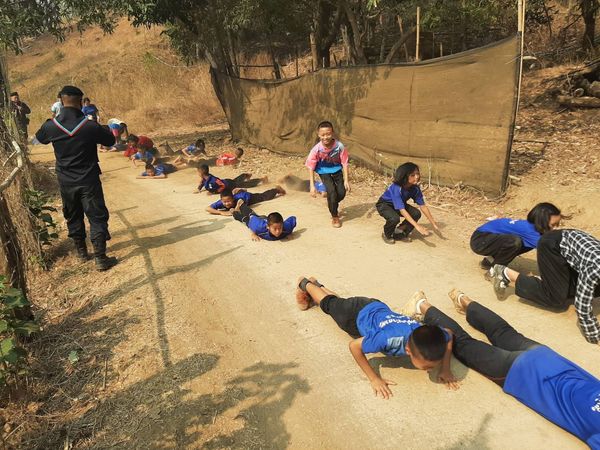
191,153
269,228
230,159
393,206
230,198
329,158
500,241
375,328
535,375
158,171
569,266
216,185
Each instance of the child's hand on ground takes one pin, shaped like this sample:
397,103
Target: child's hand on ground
255,237
381,387
448,378
347,187
313,192
422,230
227,213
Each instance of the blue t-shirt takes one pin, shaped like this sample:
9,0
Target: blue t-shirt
559,390
90,110
522,228
145,156
384,330
398,196
213,184
240,195
259,226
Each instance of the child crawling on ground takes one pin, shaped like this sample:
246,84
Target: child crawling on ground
216,185
157,171
269,228
375,328
191,153
229,199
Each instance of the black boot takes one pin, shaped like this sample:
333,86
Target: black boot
82,251
102,261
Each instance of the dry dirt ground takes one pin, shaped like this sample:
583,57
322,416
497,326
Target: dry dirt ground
194,339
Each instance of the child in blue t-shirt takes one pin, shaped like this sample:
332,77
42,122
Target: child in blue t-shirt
500,241
392,205
216,185
230,198
538,377
191,153
144,156
269,228
375,328
157,171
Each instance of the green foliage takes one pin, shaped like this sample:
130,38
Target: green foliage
44,225
13,357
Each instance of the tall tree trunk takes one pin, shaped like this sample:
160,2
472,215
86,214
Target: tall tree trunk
589,10
356,40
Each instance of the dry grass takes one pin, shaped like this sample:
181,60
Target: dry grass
130,74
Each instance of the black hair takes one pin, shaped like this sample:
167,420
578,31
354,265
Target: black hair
226,193
274,218
200,143
240,150
325,124
12,94
149,166
133,138
403,172
203,168
428,341
540,214
86,99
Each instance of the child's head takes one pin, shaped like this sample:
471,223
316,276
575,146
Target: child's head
132,140
426,346
86,101
407,174
275,224
325,132
150,170
200,145
202,170
545,217
227,198
238,152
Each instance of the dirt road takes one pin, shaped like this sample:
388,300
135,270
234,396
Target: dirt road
208,349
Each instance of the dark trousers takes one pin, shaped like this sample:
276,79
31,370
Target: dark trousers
345,311
242,181
243,215
392,217
85,200
558,283
336,191
502,247
263,196
493,361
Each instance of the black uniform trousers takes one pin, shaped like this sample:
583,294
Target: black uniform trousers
85,200
336,191
502,247
392,217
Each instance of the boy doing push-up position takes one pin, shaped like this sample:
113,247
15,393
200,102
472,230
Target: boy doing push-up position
375,328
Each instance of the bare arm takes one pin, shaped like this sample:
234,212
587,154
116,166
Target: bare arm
379,385
446,375
427,213
311,180
412,221
346,179
218,212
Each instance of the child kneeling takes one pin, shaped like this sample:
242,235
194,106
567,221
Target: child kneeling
377,329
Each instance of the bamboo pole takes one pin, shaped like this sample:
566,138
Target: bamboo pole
441,49
417,49
402,34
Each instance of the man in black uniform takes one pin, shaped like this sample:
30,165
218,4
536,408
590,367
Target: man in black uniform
20,110
74,138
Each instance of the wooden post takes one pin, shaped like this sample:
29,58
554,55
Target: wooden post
297,68
417,49
520,16
441,49
313,51
401,34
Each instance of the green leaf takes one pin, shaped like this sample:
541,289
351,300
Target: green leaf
7,345
73,357
25,327
15,355
15,302
3,326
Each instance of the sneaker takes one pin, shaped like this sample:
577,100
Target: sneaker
387,239
410,308
497,277
335,221
485,264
